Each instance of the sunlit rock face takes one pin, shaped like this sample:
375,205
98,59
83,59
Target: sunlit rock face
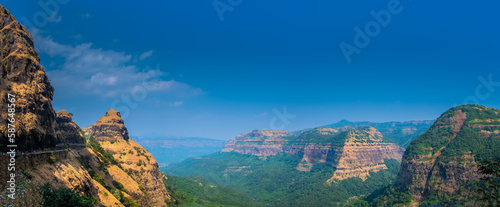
110,127
353,151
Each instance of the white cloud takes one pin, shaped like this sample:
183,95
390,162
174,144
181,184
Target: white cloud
146,55
102,79
89,70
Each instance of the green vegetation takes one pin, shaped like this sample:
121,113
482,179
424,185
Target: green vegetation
51,160
489,186
197,191
27,174
118,186
108,158
477,140
100,179
469,140
275,181
84,161
390,196
64,197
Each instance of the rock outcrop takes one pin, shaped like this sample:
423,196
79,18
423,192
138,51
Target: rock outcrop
353,151
110,127
260,142
68,132
39,131
364,152
147,184
23,76
443,160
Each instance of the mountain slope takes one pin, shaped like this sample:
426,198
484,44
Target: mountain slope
52,149
440,166
441,162
132,161
319,167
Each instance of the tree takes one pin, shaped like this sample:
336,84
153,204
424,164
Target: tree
489,186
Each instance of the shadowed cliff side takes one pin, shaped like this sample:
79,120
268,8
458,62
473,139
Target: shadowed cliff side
23,76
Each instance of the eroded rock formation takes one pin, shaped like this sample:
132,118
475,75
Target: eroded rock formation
353,151
23,76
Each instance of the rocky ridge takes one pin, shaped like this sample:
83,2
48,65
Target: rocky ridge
146,185
443,160
353,151
68,132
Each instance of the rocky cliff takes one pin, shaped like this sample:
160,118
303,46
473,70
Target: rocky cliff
24,77
67,131
86,168
138,170
353,151
364,152
442,162
110,127
260,142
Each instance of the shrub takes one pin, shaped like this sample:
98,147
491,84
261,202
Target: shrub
27,174
52,159
118,185
64,197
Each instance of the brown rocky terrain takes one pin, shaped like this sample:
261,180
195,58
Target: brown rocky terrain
23,76
84,167
139,172
68,132
258,142
358,159
110,127
353,151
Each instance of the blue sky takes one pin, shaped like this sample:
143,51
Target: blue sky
177,68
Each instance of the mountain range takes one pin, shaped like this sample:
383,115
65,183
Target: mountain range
450,161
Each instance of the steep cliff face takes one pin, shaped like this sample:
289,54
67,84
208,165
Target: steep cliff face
443,160
23,76
259,142
67,131
110,127
401,133
364,152
147,184
353,151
